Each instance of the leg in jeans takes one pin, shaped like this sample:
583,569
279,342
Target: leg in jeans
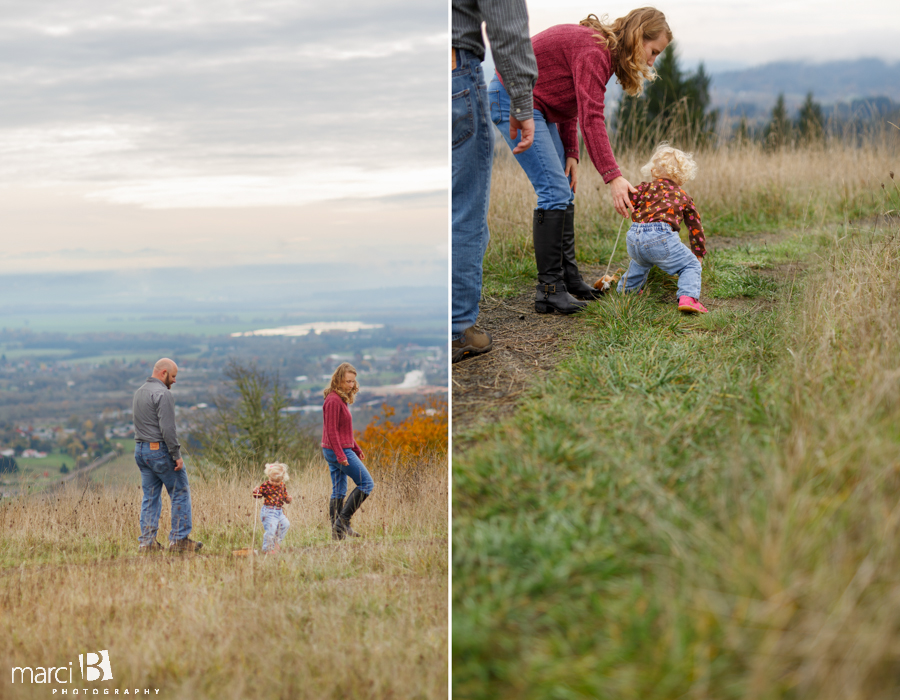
545,162
180,494
357,471
161,468
684,263
472,158
657,244
639,267
338,477
151,504
545,165
281,530
269,518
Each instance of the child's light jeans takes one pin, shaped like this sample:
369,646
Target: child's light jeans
276,525
657,244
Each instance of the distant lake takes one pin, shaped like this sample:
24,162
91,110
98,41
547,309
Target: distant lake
318,328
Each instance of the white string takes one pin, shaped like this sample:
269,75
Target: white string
615,245
255,518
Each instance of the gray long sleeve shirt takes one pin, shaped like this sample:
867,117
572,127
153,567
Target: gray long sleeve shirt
154,416
507,31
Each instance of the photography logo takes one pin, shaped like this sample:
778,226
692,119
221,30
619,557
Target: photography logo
94,666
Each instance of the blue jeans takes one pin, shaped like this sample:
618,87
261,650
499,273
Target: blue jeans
355,469
545,162
158,470
473,155
276,525
657,244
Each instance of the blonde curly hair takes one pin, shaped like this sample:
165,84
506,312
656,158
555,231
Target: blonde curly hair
625,39
337,378
670,163
277,472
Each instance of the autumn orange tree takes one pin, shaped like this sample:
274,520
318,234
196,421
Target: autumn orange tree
422,434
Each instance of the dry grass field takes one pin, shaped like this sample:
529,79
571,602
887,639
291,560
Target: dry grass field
365,618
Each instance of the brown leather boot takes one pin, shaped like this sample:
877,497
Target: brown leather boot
473,342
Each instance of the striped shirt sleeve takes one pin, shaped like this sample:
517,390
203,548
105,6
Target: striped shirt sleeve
507,30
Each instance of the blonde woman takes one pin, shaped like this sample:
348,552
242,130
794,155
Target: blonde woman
575,62
343,455
660,206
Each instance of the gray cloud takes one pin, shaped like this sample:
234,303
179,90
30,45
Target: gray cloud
138,93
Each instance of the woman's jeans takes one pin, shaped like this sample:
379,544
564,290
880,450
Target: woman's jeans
158,470
276,525
355,469
472,158
657,244
545,162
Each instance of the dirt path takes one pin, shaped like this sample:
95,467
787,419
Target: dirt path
527,345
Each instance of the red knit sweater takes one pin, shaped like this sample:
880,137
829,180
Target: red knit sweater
573,70
337,430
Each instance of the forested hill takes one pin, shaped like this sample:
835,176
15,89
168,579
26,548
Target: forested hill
830,82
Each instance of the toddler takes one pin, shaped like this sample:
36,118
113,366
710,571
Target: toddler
659,205
273,519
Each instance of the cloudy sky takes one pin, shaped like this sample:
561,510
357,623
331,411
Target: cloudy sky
739,33
216,132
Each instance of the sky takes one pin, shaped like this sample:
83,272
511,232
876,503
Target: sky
186,133
729,34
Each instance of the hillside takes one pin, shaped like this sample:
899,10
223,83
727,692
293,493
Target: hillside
755,89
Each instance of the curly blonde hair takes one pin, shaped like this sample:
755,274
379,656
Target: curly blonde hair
670,163
277,472
338,377
625,39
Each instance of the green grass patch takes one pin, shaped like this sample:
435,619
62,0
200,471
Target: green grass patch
509,265
552,547
696,506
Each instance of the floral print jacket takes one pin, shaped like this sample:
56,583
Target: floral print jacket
662,201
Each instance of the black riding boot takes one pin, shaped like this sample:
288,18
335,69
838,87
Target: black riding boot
334,509
575,285
551,293
342,523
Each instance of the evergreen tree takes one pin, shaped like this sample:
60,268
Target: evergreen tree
8,465
779,130
702,119
673,107
811,123
742,135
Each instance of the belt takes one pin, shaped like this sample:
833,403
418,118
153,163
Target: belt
453,61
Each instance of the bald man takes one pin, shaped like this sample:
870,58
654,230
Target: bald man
158,456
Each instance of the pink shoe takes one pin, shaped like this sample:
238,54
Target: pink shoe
691,305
